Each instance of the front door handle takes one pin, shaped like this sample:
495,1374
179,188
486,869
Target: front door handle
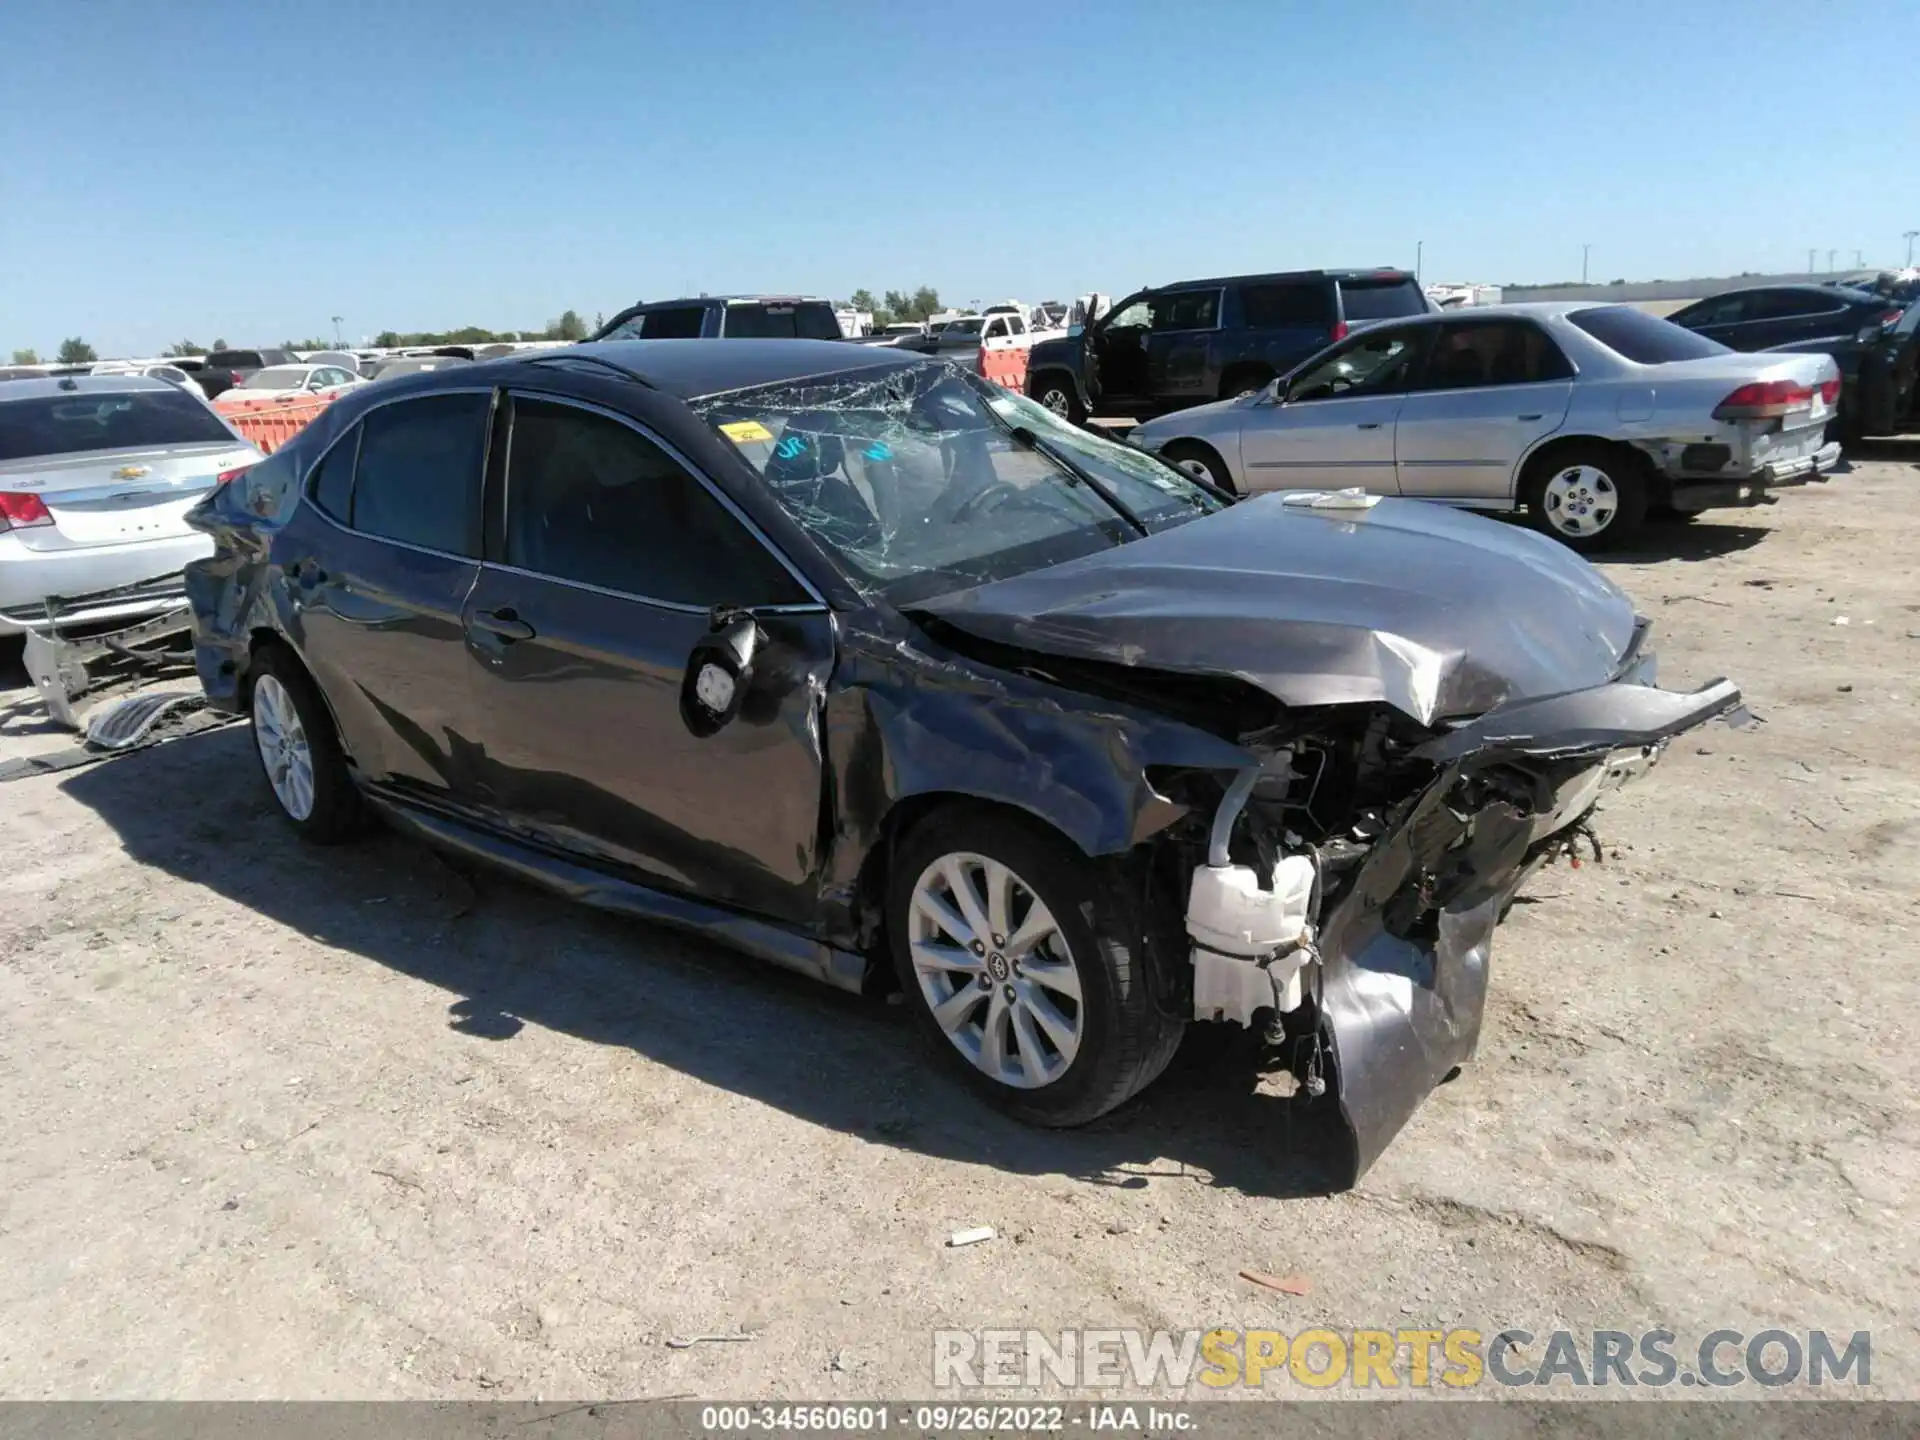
1369,425
1535,416
504,622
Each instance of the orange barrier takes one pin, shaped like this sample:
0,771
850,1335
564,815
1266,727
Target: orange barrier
270,424
1004,365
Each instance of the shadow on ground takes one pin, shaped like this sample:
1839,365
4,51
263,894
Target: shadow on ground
1665,538
198,810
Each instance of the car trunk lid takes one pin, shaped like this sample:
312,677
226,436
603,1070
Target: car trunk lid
118,497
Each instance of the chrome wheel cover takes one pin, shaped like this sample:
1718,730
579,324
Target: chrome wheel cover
995,970
1580,501
284,750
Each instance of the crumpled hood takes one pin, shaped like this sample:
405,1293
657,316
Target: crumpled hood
1439,613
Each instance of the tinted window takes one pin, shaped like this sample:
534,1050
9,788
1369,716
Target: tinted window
419,475
681,322
234,359
1786,304
331,485
815,322
591,500
1720,310
1187,310
69,424
1483,353
1381,299
1642,338
1270,306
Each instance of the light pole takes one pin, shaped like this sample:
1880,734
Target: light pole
1583,262
1419,248
1812,254
336,332
1830,255
1909,238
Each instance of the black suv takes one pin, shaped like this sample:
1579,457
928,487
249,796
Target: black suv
1201,340
227,368
725,317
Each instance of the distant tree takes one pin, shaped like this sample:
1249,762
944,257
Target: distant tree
28,356
863,300
75,351
386,339
599,321
926,301
897,304
186,347
568,327
219,344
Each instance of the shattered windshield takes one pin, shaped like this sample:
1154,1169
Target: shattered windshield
917,480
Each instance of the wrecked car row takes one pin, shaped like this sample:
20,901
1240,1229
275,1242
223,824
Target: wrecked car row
848,660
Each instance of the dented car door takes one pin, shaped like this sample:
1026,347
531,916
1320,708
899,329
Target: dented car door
595,598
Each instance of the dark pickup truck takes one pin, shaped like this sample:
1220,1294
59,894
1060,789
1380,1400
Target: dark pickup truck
225,369
1178,345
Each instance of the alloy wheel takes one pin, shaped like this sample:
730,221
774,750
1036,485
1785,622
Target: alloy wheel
284,750
1058,401
995,970
1580,501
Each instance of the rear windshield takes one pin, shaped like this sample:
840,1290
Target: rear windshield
234,359
782,322
1642,338
71,424
1381,299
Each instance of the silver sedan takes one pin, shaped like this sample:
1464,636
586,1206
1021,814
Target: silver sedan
1585,416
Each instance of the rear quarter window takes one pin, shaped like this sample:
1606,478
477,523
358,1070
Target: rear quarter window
1381,299
419,473
1266,307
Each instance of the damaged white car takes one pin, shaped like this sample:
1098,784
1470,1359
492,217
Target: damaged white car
1587,417
842,657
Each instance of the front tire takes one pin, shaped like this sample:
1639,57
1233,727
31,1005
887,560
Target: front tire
300,753
1010,947
1057,393
1587,496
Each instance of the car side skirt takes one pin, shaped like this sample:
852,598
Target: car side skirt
842,969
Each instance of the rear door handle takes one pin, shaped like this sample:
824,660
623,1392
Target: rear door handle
1535,416
1369,425
504,622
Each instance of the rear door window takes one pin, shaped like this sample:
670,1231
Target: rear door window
593,501
1481,353
676,322
1791,304
1272,307
419,472
1381,299
1187,310
1720,310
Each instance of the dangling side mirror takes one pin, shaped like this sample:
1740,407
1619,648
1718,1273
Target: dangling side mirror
719,671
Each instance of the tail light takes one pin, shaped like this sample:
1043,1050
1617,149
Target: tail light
22,512
1889,319
227,477
1339,330
1764,400
1830,390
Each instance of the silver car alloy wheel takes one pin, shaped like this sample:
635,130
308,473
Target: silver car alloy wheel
1058,401
1196,468
1581,501
283,747
995,970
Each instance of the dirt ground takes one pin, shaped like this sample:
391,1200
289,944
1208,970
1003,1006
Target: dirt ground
296,1123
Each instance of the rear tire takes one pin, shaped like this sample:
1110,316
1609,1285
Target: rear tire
1058,394
1053,1024
299,750
1201,461
1588,495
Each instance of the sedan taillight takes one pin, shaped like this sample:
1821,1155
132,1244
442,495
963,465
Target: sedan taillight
22,512
1764,400
1830,390
227,477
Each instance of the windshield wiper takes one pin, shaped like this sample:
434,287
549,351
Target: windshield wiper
1080,473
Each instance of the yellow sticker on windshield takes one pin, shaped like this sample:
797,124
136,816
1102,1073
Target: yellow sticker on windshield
746,432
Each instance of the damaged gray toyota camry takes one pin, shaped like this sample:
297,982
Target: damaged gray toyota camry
849,660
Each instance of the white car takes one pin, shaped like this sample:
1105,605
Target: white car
1584,415
287,382
97,473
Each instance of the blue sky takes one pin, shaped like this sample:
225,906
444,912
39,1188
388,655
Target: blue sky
250,169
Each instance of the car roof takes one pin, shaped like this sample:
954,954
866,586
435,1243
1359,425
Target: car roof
1277,277
1825,292
685,369
117,384
643,306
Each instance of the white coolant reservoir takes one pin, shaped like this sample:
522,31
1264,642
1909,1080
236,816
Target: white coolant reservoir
1238,930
